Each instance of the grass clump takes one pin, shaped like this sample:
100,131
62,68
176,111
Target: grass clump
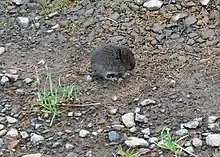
49,101
216,153
168,143
129,153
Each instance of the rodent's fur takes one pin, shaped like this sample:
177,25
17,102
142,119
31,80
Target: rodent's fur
111,60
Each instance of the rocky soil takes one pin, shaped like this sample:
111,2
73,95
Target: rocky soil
175,82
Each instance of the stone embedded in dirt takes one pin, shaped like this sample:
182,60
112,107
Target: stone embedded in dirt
23,21
153,140
141,118
188,48
118,127
114,16
28,80
70,114
178,16
190,20
12,132
72,154
83,133
137,110
12,77
213,140
35,138
94,133
158,28
20,2
192,124
24,134
196,142
113,136
133,129
2,50
56,144
207,33
133,6
52,14
182,132
11,120
69,146
128,120
212,119
115,39
146,131
147,102
32,155
204,2
12,71
2,126
88,78
153,4
113,111
189,149
139,2
214,127
4,80
56,26
172,84
33,6
114,98
3,132
136,142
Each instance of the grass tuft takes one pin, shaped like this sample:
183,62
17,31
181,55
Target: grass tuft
49,101
216,153
129,153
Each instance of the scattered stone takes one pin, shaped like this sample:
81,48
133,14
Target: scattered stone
20,2
136,142
192,124
32,155
158,28
2,126
141,118
4,80
83,133
190,20
153,4
182,132
118,127
94,133
13,144
178,16
196,142
11,120
12,71
113,136
53,14
214,127
114,16
24,134
12,77
146,131
2,50
137,110
114,98
204,2
133,129
207,33
69,146
128,120
72,154
113,111
148,102
189,149
3,132
212,119
35,139
12,132
23,21
1,142
70,114
172,84
88,78
213,140
153,140
28,80
33,6
115,39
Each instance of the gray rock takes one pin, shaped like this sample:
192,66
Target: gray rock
212,42
153,4
146,131
193,34
24,134
20,2
11,120
3,132
172,83
182,132
191,42
12,71
12,77
114,16
52,14
192,124
189,149
139,2
196,142
88,78
35,138
113,111
188,48
69,146
141,118
153,140
147,102
12,132
158,28
212,119
2,126
134,142
178,16
23,21
115,39
174,36
213,140
113,136
2,50
4,80
118,127
1,142
214,127
72,154
204,2
33,6
33,155
133,129
190,20
207,33
28,80
128,120
83,133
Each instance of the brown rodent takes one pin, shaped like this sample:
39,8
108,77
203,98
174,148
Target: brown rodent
111,61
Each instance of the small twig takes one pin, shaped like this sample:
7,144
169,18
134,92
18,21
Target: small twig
85,105
111,19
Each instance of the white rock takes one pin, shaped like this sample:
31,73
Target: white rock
94,133
4,80
118,127
182,132
133,129
88,78
114,98
24,134
213,140
128,119
137,110
153,4
32,155
20,2
55,26
28,80
36,138
197,142
53,14
192,124
141,118
178,16
189,149
113,111
70,114
83,133
12,77
12,132
2,126
11,120
69,146
212,119
153,140
12,71
2,50
147,102
146,131
23,21
136,142
204,2
3,132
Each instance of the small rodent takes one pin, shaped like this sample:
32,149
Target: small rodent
111,61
